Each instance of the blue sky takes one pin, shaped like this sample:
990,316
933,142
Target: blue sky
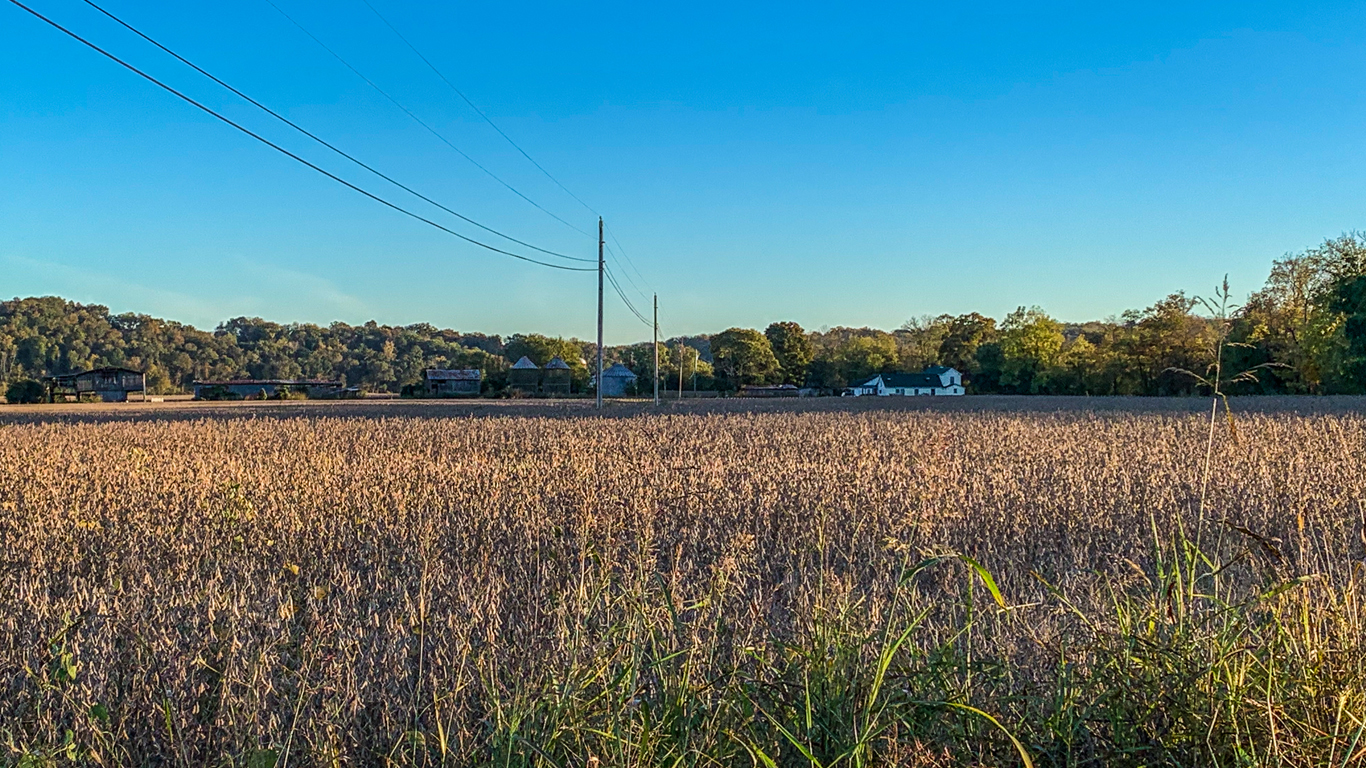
830,164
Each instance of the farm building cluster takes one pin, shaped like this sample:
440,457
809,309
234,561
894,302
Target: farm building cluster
525,377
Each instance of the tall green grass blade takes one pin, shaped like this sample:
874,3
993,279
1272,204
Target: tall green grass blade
1020,748
985,575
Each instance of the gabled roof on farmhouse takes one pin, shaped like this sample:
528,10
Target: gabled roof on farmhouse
922,380
938,369
454,374
619,370
556,364
905,380
525,364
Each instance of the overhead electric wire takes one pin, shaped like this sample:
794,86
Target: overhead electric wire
622,294
323,142
284,151
625,256
611,277
430,65
616,260
629,263
419,120
476,109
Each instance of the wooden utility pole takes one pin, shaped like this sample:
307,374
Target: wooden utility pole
680,371
656,350
600,270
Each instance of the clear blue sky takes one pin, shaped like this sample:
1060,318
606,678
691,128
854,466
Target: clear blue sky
830,164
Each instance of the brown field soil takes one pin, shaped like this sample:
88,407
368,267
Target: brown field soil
976,581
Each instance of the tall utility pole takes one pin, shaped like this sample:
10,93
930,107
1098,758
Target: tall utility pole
680,371
656,350
600,270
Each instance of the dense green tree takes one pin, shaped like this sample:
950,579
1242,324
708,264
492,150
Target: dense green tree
541,349
25,391
1348,300
1030,342
1160,340
792,349
963,335
742,356
989,363
1297,323
845,356
861,357
918,341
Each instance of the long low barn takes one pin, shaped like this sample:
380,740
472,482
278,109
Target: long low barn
244,389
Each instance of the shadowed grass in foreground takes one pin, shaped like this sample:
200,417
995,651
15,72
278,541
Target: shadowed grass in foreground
777,589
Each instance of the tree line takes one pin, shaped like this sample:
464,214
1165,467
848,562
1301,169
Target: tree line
1304,331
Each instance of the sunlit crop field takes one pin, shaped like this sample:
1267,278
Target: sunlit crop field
781,586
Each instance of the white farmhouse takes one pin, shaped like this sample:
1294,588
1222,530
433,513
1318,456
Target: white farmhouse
935,380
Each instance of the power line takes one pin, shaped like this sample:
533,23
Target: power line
477,110
419,120
284,151
617,286
321,141
624,298
626,257
626,274
622,248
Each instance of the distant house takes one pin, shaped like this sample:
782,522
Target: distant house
555,379
616,380
935,380
444,382
525,376
110,384
263,389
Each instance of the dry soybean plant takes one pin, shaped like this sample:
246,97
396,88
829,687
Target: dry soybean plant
772,589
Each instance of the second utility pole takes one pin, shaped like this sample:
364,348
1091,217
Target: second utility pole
600,267
656,350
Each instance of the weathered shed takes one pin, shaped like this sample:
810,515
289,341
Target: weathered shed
556,378
616,380
445,382
525,376
110,384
